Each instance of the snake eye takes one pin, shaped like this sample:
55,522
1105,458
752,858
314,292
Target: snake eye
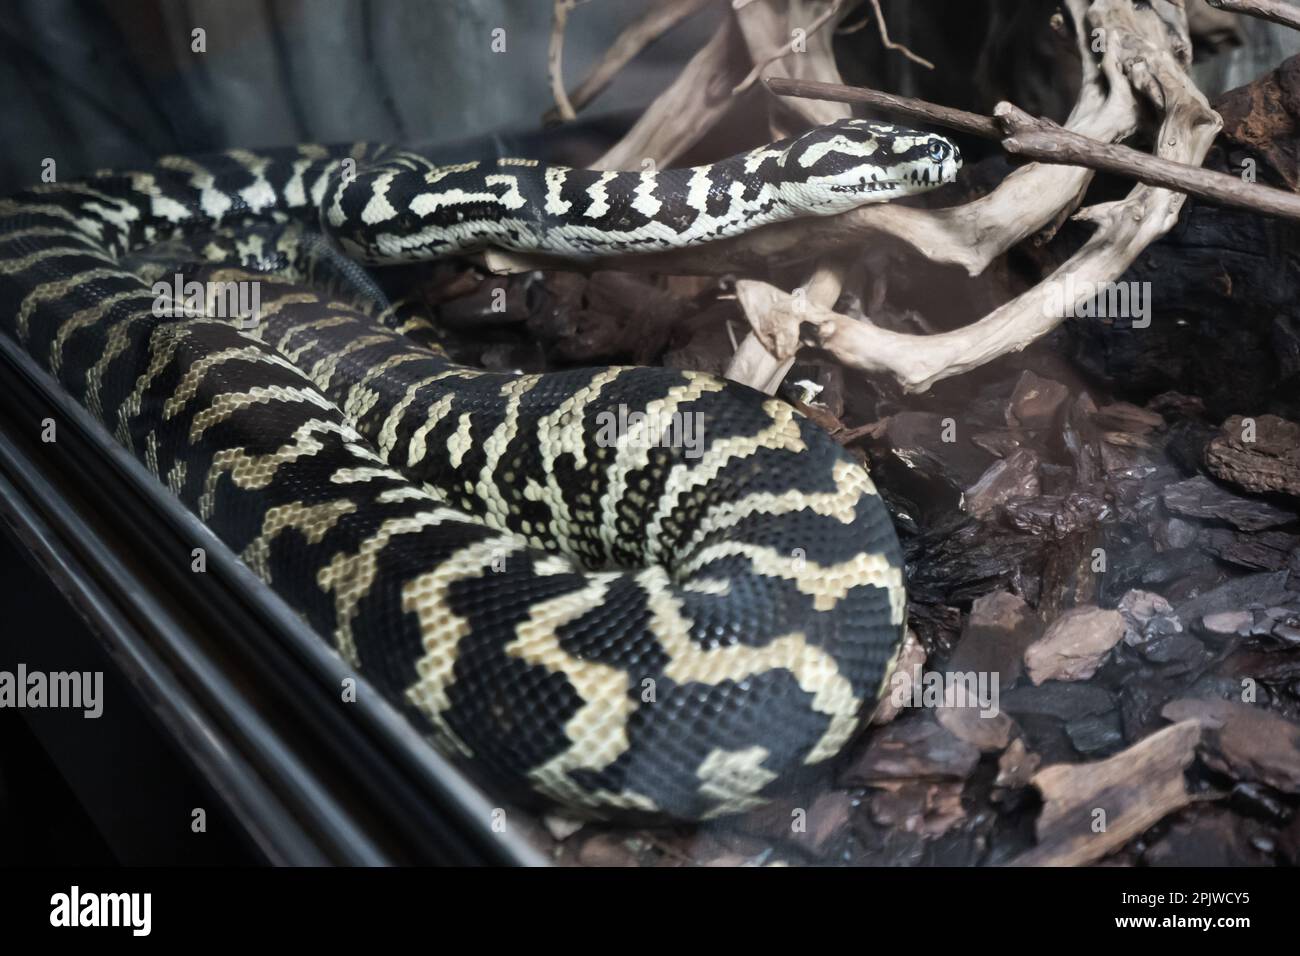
938,151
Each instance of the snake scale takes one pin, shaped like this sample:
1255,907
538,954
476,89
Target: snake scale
578,607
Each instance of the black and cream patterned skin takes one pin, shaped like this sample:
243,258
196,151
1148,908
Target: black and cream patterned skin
618,625
404,208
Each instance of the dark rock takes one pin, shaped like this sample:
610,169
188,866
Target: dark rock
1287,633
1260,801
938,626
1245,742
1289,842
1173,534
1177,406
1147,615
1097,735
1056,516
1186,444
1181,649
918,440
1260,551
1228,623
1214,838
1003,442
1201,498
1244,593
1081,441
1132,561
1064,701
952,564
1013,477
1016,766
1286,344
1036,401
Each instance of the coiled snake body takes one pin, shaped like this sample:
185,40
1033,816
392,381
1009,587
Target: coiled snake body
626,589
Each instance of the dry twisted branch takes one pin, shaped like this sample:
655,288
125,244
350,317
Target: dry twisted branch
1275,11
1146,57
1153,67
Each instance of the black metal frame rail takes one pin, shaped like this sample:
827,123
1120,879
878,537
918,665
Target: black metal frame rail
248,691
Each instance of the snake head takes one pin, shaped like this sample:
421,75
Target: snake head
836,167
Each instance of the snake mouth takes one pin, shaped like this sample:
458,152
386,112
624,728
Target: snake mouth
936,175
863,185
925,177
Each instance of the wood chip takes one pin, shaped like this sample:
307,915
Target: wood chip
1075,645
1092,809
1269,462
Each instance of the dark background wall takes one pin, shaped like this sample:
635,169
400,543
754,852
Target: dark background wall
99,83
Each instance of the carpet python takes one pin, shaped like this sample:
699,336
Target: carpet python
628,590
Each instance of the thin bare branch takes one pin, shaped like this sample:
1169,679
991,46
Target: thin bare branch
1044,141
904,106
645,30
555,58
890,44
685,111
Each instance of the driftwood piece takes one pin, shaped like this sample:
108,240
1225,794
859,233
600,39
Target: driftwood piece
1124,229
1274,11
1093,809
763,368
